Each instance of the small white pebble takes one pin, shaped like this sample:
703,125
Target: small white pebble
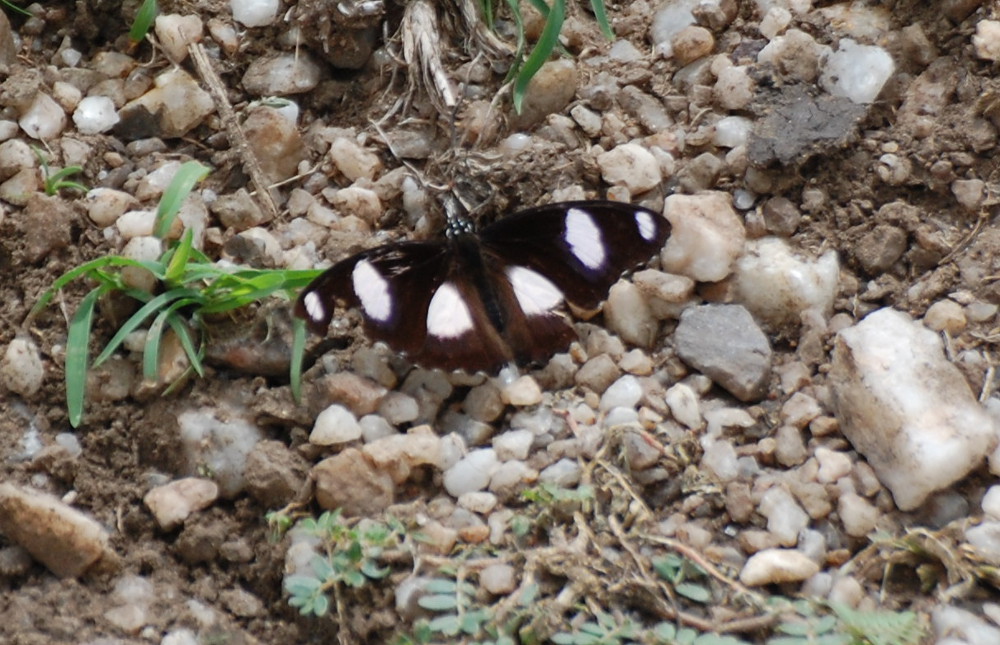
335,425
947,316
523,392
21,368
683,404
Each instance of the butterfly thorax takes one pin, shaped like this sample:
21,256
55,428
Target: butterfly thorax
471,266
459,226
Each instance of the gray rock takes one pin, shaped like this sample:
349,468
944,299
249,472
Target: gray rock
725,343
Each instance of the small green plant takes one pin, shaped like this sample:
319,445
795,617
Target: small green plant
192,287
143,21
805,624
56,181
350,557
458,616
525,67
678,572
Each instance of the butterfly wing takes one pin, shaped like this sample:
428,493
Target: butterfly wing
580,247
390,285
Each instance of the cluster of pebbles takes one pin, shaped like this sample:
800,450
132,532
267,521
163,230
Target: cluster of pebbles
832,388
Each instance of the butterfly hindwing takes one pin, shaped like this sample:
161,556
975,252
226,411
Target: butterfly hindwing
581,247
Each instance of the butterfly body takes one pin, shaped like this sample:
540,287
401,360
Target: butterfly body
476,301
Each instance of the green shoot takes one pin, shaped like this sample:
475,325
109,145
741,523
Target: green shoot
192,287
15,8
56,181
143,21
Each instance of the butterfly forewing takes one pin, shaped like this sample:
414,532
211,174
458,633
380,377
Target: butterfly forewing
581,247
392,287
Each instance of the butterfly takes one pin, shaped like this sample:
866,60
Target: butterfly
477,301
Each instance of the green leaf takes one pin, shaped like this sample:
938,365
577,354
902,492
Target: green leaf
447,624
77,349
301,585
321,605
694,592
189,174
179,259
371,569
143,21
438,602
540,52
441,585
139,317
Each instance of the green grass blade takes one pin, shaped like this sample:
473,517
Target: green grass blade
179,259
77,346
15,8
540,52
154,337
540,7
155,304
189,174
194,355
601,14
298,353
486,7
143,21
79,271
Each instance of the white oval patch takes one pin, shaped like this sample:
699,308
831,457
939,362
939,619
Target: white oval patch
314,307
447,315
647,227
584,239
372,290
534,292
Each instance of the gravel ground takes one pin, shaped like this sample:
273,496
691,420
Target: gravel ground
795,399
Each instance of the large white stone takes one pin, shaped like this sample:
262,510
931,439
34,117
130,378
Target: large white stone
777,286
706,236
906,408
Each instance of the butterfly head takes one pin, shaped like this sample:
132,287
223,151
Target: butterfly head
459,226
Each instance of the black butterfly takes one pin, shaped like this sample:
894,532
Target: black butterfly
478,301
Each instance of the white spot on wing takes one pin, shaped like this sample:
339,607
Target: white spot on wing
372,290
447,315
584,239
534,292
646,224
314,306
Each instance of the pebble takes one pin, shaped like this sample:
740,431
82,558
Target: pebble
498,579
176,102
947,316
991,503
144,249
44,119
511,477
790,450
985,539
776,566
905,407
335,425
800,409
282,74
514,444
858,514
274,474
175,33
484,402
217,441
565,473
691,43
597,374
20,188
832,465
95,114
636,362
742,365
739,503
472,472
857,72
358,394
777,286
254,13
172,503
785,518
350,482
15,155
706,238
625,392
734,88
881,248
481,502
398,408
632,166
627,314
969,193
670,18
21,370
956,626
65,540
732,131
523,392
684,407
354,161
106,205
399,454
274,137
986,40
720,457
549,92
